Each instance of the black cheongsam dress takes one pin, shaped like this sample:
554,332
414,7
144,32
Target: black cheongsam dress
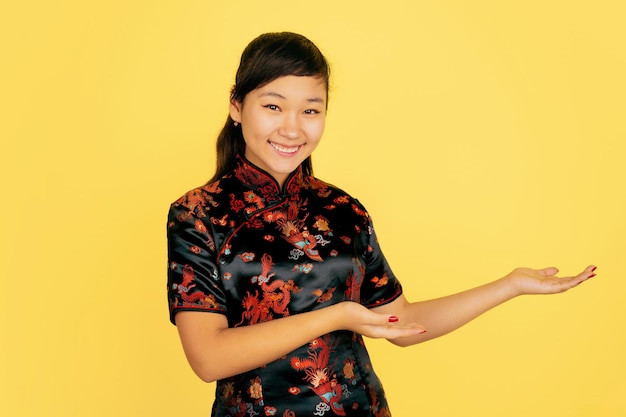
245,248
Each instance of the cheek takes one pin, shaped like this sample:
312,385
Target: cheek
255,126
316,130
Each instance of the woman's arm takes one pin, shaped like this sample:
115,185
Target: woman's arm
443,315
216,351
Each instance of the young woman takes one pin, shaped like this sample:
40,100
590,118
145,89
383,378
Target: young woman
275,275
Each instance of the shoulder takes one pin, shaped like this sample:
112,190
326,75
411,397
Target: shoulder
323,188
201,199
336,197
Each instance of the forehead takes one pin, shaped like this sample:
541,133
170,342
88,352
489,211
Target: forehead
297,88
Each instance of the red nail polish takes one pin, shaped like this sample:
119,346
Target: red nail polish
593,269
592,275
393,319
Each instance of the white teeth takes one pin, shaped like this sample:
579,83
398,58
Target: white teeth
284,149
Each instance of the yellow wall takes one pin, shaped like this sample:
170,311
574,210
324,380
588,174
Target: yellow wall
481,135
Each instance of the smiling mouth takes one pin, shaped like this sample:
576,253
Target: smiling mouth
285,149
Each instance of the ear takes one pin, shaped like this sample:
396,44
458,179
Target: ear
235,110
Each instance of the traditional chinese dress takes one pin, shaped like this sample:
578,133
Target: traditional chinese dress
245,248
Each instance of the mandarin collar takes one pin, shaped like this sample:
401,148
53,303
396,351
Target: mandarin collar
258,179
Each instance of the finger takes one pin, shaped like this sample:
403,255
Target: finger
590,271
392,331
549,272
394,321
404,330
383,320
410,326
570,282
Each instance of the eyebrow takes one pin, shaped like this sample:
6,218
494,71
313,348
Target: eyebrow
275,94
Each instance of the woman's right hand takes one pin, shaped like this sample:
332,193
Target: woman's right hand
360,319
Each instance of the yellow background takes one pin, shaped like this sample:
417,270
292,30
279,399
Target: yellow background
480,135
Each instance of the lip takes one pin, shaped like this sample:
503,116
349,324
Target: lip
284,150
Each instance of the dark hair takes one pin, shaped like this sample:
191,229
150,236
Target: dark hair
266,58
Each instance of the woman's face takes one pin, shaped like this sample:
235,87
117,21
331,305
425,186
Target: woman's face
282,122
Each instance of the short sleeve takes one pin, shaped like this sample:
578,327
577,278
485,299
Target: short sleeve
193,282
380,286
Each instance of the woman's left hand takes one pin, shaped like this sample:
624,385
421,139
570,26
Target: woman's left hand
545,281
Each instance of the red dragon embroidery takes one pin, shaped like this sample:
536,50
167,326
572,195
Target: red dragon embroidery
192,298
275,296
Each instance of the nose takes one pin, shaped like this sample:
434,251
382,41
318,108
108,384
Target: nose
290,127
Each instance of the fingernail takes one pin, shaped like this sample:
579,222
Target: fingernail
592,275
593,269
393,319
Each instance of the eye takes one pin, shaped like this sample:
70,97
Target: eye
273,107
311,111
